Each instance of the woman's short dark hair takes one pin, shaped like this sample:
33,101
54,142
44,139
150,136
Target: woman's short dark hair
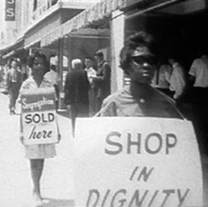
139,39
31,59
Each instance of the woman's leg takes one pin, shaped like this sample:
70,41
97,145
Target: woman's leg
36,166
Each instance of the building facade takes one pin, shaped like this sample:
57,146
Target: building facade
66,30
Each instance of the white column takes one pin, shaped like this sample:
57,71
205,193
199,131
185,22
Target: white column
117,40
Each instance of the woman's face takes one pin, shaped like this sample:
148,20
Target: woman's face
142,66
38,68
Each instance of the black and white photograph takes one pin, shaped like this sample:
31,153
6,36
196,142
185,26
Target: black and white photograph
103,103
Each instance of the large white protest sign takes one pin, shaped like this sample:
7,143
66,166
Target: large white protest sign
39,118
136,162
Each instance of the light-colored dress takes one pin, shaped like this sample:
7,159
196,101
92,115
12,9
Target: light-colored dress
40,151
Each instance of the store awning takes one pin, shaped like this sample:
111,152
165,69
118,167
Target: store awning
90,33
12,48
89,16
99,11
50,37
168,7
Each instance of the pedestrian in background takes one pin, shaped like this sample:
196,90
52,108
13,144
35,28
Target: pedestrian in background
52,76
102,79
24,72
91,72
197,96
139,98
37,153
198,73
161,79
76,91
177,79
13,83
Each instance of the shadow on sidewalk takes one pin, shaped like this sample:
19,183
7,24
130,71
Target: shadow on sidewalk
51,202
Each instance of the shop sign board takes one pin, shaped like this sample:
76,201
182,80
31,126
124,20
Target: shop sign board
136,162
10,10
38,117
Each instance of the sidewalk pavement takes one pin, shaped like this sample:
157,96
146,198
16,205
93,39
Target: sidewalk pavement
15,179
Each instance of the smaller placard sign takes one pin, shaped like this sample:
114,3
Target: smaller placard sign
136,162
39,118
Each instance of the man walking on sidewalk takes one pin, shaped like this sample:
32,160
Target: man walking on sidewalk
102,80
76,91
13,83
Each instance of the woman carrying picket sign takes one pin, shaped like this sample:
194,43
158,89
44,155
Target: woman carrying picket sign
36,153
139,98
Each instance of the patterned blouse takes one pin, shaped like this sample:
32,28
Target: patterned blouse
31,84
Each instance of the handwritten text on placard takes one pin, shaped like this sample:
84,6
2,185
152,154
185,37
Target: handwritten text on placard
136,162
140,143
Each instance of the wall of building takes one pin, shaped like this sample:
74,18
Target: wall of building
117,40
